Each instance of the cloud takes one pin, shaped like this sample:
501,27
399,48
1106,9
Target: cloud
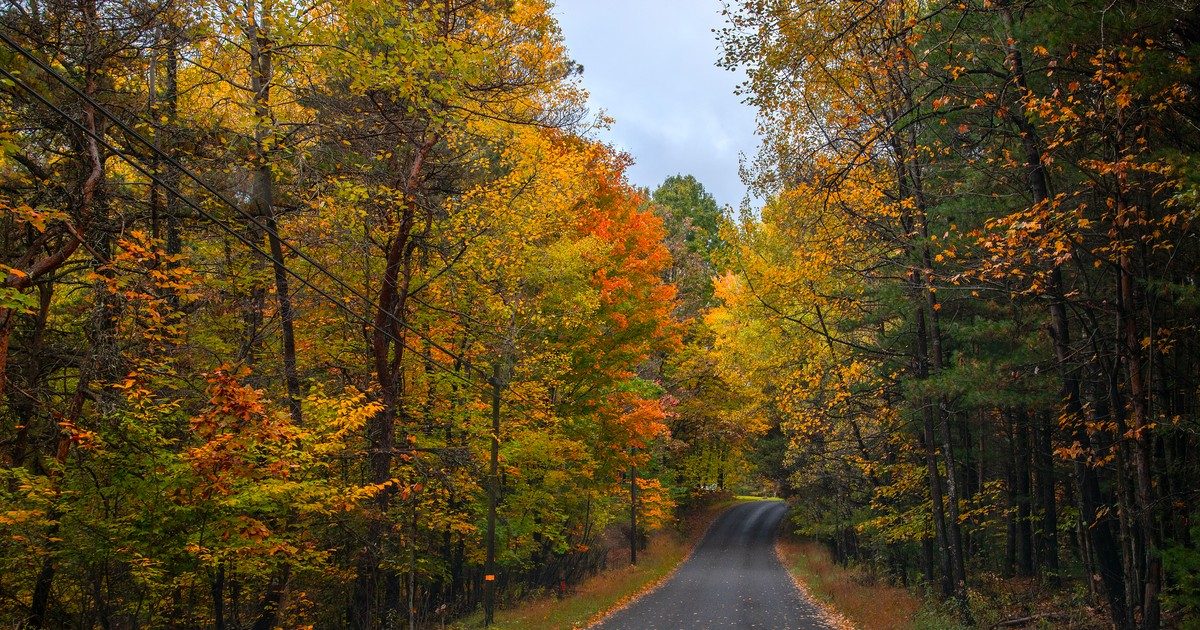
650,64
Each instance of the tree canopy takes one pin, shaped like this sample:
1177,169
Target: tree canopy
337,313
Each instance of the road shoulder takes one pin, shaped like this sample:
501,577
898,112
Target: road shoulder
787,551
601,595
697,530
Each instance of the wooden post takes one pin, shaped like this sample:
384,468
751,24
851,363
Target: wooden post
632,508
489,577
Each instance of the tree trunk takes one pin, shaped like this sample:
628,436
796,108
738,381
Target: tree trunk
937,503
954,536
1044,467
1098,525
261,76
1131,350
1020,491
218,597
388,355
273,598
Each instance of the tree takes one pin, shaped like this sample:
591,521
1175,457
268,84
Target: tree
964,176
403,186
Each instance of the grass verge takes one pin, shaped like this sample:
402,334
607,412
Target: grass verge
854,597
868,602
607,591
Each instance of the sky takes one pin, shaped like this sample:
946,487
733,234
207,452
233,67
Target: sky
651,65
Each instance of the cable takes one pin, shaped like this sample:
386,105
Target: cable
218,194
224,199
255,248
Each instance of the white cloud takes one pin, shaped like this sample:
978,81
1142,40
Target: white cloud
650,64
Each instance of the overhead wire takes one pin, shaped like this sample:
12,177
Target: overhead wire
169,160
254,247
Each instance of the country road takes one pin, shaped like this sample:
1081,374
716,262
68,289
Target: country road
733,580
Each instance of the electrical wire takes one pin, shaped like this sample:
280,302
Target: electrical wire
255,248
21,50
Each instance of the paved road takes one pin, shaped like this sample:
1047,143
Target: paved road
733,580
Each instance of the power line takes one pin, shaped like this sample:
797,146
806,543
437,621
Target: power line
224,199
494,382
255,248
219,195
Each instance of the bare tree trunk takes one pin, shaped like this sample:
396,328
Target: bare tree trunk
954,535
1131,358
388,356
261,76
1098,524
1043,456
1020,491
928,441
90,190
218,596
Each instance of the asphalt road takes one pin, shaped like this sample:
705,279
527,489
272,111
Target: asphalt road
733,580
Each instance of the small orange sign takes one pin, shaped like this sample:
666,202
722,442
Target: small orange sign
489,578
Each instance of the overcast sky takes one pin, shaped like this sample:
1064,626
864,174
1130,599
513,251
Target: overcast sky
651,65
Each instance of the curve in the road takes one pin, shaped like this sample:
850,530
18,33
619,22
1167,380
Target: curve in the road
733,580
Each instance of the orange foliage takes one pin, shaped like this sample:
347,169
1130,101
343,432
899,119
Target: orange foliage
233,432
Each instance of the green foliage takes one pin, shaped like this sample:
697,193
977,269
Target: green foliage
1182,565
195,436
965,301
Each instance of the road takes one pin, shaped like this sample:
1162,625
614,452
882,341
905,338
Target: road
732,580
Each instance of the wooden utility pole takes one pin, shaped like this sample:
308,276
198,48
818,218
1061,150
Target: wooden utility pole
489,570
632,508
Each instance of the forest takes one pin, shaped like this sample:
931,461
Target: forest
969,306
336,313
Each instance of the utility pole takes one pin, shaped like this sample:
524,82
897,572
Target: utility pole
489,569
632,508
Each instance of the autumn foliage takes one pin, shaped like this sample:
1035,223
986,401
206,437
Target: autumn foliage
968,300
254,280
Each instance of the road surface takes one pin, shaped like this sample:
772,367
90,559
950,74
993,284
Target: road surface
733,580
